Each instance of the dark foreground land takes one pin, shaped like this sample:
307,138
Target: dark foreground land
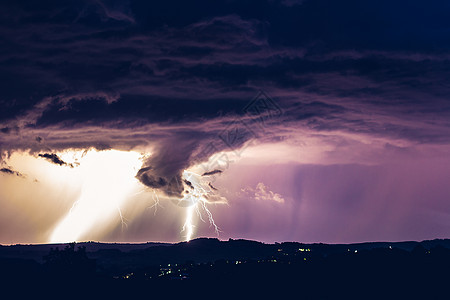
209,268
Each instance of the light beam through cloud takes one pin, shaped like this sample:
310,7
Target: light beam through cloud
108,179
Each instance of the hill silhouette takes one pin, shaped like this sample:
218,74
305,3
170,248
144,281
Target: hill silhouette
364,270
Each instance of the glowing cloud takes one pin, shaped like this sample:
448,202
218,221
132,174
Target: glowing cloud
108,179
262,193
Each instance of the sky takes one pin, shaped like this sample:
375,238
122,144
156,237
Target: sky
271,120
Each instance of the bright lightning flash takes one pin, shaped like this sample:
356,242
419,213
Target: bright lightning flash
108,177
199,196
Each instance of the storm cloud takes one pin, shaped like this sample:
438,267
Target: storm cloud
11,172
54,159
354,83
170,70
212,172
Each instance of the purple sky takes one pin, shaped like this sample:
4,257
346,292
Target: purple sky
349,140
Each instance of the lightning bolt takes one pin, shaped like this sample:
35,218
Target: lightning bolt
197,199
122,218
74,205
188,226
210,217
156,203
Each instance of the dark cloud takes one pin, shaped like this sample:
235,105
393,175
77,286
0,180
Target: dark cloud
188,183
7,171
143,170
152,181
122,74
163,169
162,63
211,186
133,109
5,130
212,172
10,130
11,172
55,159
